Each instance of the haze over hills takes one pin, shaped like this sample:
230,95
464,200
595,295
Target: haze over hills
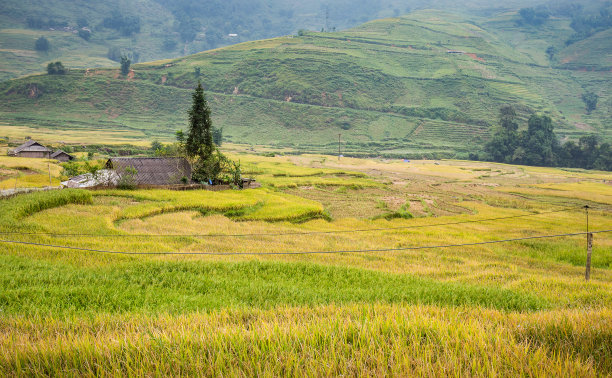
426,84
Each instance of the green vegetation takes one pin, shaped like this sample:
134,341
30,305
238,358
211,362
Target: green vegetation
514,308
209,164
42,44
590,100
533,16
178,288
507,309
125,65
538,145
56,68
587,24
385,86
82,32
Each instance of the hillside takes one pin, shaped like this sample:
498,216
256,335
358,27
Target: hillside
149,30
593,53
429,83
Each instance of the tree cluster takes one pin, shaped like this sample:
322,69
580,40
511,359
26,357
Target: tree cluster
590,100
538,145
533,16
585,25
85,34
56,68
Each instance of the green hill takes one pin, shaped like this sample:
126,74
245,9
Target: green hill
149,30
429,83
593,53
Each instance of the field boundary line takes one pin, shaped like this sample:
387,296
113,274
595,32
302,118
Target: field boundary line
302,252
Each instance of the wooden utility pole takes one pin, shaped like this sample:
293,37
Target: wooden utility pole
587,274
588,261
339,135
49,167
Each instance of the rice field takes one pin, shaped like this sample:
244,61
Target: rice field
249,292
28,173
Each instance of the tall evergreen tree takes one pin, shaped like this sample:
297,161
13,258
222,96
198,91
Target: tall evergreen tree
199,140
125,65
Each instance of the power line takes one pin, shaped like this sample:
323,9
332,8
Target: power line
285,233
300,252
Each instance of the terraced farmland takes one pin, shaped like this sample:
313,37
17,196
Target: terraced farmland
389,85
241,299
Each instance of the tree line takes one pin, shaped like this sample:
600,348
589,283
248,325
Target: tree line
584,23
538,145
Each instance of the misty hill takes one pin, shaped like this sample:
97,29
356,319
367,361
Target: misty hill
426,84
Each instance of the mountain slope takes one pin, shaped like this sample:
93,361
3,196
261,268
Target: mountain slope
593,53
158,29
427,83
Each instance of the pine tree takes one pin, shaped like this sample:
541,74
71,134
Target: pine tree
199,140
125,65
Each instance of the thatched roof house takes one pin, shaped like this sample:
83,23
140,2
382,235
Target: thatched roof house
31,149
61,156
147,171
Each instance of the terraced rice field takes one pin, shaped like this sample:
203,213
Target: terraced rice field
241,298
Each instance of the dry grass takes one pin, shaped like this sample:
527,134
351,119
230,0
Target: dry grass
28,173
353,340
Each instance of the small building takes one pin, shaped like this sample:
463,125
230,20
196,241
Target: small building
102,179
31,149
62,156
147,171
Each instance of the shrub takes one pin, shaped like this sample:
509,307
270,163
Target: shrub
85,34
127,180
56,68
590,100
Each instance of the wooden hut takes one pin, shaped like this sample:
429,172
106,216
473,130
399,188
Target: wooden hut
146,171
62,156
31,149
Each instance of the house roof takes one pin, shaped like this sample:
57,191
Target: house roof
59,152
31,145
153,171
103,177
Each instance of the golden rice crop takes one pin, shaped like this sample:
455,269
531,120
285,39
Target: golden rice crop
517,308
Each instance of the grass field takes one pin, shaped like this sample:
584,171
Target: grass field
515,308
